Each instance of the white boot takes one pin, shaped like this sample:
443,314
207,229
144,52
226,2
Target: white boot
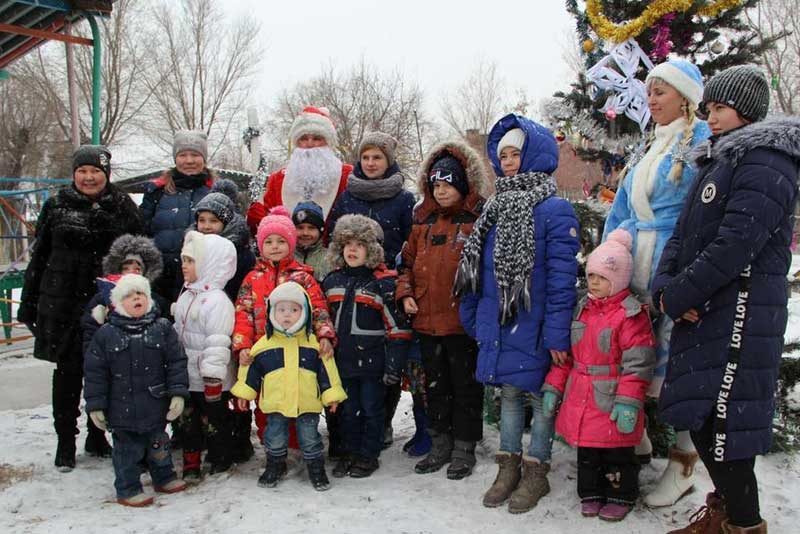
677,480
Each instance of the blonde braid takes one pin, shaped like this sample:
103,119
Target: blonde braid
688,133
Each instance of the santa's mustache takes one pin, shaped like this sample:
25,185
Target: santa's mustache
313,171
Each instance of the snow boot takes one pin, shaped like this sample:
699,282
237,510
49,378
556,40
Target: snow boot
220,467
727,528
532,486
677,480
342,467
508,475
317,475
96,443
614,511
388,437
65,454
363,467
707,520
462,460
591,508
440,455
137,501
191,466
173,486
276,469
420,442
644,450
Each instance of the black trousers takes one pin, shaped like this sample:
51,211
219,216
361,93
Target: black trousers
455,397
67,387
595,464
734,481
219,430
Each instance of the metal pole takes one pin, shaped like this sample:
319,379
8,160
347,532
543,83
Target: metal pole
73,94
97,57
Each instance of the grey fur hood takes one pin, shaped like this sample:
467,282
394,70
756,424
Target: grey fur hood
781,134
477,175
139,246
362,229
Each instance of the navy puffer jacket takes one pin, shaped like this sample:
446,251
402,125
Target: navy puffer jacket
131,371
738,213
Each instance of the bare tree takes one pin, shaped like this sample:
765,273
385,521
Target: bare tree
477,102
360,99
770,18
203,65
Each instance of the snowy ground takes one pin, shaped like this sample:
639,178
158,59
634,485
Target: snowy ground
35,498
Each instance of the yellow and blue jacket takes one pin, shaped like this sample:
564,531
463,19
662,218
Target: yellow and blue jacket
290,376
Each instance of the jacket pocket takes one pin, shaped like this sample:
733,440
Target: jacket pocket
604,393
158,391
577,329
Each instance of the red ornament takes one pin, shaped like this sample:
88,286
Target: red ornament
611,114
560,136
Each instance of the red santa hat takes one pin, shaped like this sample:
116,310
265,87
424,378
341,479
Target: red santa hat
316,121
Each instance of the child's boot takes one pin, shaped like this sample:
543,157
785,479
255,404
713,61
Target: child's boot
508,476
137,501
275,470
462,460
677,480
613,511
173,486
440,455
707,520
420,443
532,486
317,475
343,465
191,466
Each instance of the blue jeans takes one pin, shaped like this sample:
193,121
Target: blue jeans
276,435
512,421
129,449
362,416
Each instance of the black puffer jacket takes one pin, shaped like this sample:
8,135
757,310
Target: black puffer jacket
73,234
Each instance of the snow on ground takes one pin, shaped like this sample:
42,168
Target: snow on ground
394,499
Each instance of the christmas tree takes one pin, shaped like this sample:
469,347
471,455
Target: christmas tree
710,33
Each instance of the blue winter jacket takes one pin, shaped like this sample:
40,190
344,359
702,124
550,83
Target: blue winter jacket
518,353
166,218
131,371
738,213
393,214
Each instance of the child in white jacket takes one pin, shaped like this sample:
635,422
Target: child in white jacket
204,317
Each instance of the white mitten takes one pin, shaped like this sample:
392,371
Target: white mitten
99,419
175,408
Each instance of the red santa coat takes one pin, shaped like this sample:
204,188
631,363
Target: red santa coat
251,304
613,357
273,196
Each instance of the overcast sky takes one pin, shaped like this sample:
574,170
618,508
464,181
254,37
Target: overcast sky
436,43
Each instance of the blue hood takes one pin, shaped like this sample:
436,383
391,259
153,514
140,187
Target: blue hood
540,151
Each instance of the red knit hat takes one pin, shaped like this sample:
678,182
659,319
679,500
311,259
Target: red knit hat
278,222
314,120
612,260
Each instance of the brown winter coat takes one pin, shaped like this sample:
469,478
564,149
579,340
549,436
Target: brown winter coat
431,254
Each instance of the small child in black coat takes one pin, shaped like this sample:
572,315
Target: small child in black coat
135,381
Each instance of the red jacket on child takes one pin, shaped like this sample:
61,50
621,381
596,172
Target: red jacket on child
251,305
613,357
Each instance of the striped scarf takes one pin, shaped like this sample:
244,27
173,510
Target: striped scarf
515,241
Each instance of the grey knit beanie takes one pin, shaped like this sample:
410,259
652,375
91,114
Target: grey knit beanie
217,203
382,141
195,140
743,88
95,155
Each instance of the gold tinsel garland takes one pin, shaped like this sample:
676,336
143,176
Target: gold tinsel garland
618,33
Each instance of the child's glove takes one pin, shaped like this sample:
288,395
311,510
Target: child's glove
549,404
99,419
625,415
212,388
175,408
390,378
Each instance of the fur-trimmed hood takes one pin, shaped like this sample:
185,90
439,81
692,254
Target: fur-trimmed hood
362,229
477,177
781,134
127,246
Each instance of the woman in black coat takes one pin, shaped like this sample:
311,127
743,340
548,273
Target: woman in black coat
722,278
74,231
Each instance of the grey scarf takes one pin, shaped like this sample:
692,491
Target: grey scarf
514,246
371,190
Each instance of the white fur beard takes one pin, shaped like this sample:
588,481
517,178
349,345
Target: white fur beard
312,172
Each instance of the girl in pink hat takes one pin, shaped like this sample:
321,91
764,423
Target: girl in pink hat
603,384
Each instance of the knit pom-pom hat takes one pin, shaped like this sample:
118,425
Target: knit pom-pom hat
612,260
277,222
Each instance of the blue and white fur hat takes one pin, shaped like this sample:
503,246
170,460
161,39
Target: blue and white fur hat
683,75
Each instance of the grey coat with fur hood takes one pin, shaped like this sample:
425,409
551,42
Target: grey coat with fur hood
738,213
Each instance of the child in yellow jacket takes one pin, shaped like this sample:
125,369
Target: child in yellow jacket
294,382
